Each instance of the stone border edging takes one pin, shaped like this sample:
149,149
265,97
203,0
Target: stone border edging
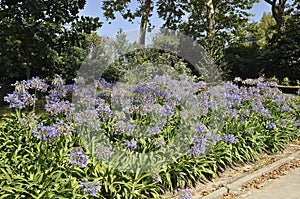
234,186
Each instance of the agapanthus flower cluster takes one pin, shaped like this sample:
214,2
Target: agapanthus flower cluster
233,113
285,108
152,130
56,106
232,95
47,133
64,127
218,138
184,194
77,157
271,125
202,140
104,84
22,95
253,81
90,188
199,146
104,111
283,122
20,98
90,110
38,84
297,123
230,139
130,145
124,127
260,109
59,89
87,118
199,127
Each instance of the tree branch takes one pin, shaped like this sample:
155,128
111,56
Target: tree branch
271,2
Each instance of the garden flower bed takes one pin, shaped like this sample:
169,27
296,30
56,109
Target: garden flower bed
136,141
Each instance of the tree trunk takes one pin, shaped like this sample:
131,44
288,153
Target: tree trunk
278,13
210,18
145,11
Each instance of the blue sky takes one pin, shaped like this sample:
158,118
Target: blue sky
93,8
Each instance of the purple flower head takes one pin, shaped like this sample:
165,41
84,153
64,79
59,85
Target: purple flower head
58,82
37,84
246,112
90,188
233,112
130,127
208,134
70,88
46,133
199,127
59,88
153,130
130,145
20,99
218,138
57,107
77,157
229,139
271,125
169,110
285,108
64,128
199,146
104,111
87,118
14,101
297,123
185,194
260,109
124,127
21,87
283,122
105,84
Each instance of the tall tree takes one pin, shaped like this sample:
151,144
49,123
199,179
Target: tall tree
255,33
210,16
278,12
283,52
203,18
213,20
42,37
143,10
243,54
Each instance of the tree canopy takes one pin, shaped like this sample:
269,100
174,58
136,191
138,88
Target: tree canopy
41,37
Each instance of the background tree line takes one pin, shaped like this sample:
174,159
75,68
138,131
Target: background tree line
45,38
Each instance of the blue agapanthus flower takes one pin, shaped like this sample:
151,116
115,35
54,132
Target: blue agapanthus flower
77,157
90,188
229,139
